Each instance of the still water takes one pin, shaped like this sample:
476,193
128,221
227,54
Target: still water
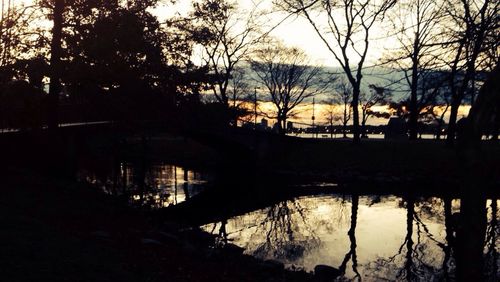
149,185
368,237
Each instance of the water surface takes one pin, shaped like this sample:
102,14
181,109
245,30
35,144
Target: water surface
368,237
151,185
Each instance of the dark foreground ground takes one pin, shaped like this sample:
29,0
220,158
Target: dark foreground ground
57,230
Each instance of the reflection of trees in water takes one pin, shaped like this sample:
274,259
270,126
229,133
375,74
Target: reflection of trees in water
145,184
430,208
342,212
492,260
288,232
415,259
373,200
463,248
430,249
450,226
351,254
470,236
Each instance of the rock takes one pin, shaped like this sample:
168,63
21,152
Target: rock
325,272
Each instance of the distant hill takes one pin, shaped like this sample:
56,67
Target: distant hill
379,76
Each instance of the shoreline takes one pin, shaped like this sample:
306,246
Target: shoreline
56,230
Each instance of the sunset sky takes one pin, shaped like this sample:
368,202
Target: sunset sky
294,31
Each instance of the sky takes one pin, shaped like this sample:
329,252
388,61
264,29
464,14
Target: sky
298,32
295,31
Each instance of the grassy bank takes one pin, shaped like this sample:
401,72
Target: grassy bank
382,161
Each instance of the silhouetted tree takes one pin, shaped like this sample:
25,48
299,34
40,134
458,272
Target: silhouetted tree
473,22
331,115
435,104
433,100
344,90
55,73
17,41
376,96
15,33
346,37
227,35
288,77
418,34
121,49
239,88
485,111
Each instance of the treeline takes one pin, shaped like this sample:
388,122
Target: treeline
124,60
98,60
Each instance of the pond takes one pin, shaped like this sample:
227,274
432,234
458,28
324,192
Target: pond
366,237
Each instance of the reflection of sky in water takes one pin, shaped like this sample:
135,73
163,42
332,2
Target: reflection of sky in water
157,185
308,231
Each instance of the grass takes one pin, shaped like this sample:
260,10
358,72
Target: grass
373,160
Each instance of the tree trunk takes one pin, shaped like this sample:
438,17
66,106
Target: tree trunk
279,122
413,123
344,122
438,130
363,124
452,123
414,85
55,66
355,113
469,75
483,110
283,128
